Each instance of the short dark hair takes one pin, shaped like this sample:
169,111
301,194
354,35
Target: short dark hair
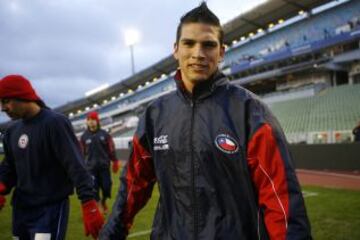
200,14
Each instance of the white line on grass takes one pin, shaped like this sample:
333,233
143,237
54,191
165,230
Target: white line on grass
309,194
141,233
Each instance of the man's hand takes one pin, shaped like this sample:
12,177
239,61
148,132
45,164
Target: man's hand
93,219
115,166
2,198
2,201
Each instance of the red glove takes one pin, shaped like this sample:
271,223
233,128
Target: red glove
2,198
115,166
2,187
2,201
93,219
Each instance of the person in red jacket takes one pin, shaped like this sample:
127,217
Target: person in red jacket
43,164
99,150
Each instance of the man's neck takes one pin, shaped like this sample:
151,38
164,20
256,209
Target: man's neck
189,86
32,110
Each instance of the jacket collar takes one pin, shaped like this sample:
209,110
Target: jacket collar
202,89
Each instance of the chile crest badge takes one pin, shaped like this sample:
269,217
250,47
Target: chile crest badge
226,143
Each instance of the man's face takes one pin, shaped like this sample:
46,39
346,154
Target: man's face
198,52
92,124
14,108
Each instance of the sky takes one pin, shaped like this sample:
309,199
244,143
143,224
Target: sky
68,47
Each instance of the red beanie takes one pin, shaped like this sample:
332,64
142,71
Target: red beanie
93,115
17,86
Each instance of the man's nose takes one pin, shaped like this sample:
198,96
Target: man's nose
198,51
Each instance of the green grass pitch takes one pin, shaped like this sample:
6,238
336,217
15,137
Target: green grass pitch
334,214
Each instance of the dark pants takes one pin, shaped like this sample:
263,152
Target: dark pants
41,223
103,183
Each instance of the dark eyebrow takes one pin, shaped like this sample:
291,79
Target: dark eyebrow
206,43
4,100
187,40
210,43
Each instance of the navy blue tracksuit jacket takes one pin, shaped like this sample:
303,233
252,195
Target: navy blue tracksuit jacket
43,161
222,165
98,148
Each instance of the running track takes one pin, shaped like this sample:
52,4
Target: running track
345,180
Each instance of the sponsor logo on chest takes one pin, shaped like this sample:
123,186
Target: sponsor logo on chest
161,143
226,143
23,141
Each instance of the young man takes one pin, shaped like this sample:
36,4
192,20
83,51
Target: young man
218,155
99,150
42,163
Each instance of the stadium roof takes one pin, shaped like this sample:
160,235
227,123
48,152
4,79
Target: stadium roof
268,12
260,17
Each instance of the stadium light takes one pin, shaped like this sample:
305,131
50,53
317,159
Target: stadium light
97,89
132,37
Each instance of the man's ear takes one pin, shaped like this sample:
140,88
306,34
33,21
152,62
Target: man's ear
175,51
222,52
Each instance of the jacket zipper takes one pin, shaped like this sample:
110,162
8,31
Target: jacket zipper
195,215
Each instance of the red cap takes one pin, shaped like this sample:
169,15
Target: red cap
17,86
93,115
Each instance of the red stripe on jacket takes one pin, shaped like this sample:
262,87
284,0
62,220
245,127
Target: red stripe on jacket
140,179
268,174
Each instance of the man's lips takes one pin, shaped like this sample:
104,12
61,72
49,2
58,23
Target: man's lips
197,66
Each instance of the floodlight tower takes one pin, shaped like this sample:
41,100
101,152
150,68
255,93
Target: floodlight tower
132,37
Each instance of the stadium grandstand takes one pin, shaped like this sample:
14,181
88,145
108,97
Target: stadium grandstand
301,57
